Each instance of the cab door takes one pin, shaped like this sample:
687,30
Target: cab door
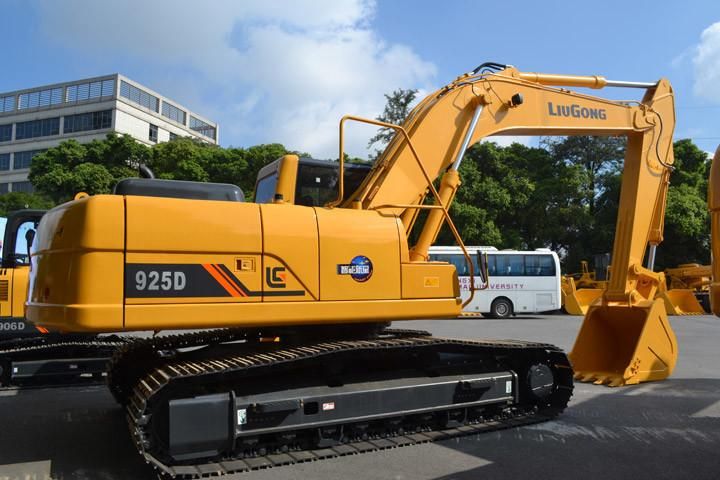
14,274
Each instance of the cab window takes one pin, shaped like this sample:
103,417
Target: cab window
265,190
21,244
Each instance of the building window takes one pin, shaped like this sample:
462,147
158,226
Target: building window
37,128
6,133
202,128
4,161
173,113
138,96
173,136
22,187
4,188
153,135
24,159
90,90
7,104
87,121
40,98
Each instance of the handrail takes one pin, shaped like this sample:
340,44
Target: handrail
431,187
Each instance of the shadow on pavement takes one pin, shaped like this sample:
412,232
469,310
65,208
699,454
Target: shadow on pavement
653,431
664,430
70,433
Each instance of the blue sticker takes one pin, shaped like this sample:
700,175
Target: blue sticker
360,268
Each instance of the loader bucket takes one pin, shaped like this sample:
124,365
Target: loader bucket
680,301
586,296
623,345
571,304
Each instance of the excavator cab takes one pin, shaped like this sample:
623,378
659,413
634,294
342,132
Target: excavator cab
18,227
306,181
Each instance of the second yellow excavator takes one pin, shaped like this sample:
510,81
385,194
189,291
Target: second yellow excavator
305,367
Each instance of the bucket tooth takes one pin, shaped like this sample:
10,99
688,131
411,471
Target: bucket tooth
616,382
624,345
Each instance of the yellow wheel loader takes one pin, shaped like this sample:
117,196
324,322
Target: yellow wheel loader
686,289
580,290
299,363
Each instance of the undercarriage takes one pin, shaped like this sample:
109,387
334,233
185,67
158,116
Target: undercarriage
224,401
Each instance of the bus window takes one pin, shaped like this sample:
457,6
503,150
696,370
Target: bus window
492,266
457,259
454,259
539,266
509,266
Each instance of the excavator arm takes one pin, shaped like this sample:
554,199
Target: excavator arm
625,337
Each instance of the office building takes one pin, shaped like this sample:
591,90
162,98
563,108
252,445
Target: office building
35,119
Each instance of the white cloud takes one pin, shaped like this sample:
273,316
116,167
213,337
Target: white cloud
707,64
287,71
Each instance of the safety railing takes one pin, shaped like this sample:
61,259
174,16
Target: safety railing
438,202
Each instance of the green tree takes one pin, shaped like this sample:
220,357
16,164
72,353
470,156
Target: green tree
598,157
687,222
181,159
597,164
12,201
61,172
494,188
397,108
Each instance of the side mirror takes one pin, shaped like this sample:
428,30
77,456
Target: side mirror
482,261
29,238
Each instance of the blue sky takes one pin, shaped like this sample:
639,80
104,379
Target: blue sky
285,71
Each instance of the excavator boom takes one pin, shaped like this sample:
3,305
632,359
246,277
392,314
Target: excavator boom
626,337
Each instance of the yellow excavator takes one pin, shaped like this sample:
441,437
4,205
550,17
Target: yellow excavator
299,364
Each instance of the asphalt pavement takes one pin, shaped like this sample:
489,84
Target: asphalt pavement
654,431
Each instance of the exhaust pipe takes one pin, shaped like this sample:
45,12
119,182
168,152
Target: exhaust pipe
145,171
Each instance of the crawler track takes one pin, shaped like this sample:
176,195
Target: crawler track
55,357
158,373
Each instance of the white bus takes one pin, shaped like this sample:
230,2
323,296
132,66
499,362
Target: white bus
520,282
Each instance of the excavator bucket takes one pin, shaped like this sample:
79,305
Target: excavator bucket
681,301
624,345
